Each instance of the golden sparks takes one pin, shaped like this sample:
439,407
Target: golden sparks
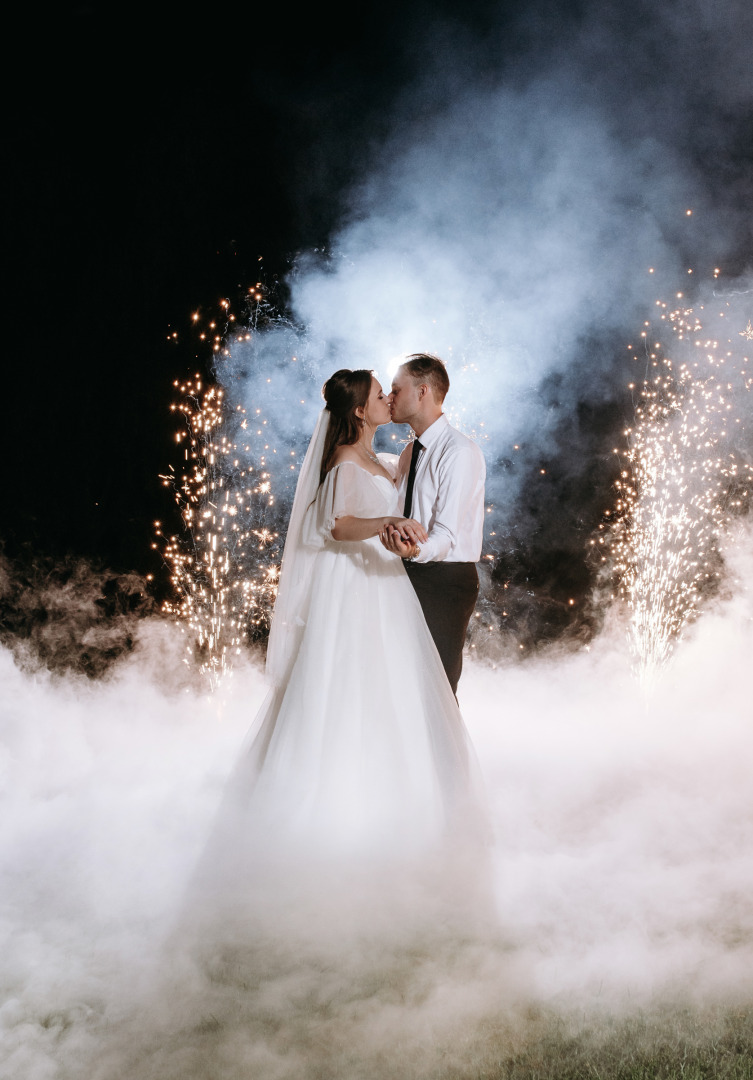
224,566
681,484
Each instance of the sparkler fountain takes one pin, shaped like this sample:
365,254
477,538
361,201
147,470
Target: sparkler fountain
684,477
226,575
224,568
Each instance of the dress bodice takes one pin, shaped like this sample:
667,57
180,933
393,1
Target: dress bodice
349,490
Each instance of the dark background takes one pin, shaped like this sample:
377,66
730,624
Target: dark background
160,160
155,157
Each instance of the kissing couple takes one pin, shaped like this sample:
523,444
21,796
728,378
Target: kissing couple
361,742
359,756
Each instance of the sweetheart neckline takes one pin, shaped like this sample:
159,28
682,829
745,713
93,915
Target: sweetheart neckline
377,476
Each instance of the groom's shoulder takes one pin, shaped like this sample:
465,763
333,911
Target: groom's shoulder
458,442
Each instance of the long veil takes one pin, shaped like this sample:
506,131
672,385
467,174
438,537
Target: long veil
294,588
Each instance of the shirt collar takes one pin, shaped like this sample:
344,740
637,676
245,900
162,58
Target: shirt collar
433,432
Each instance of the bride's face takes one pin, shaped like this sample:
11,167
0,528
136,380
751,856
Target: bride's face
377,409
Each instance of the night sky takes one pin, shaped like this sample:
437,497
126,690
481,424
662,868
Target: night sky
161,161
154,160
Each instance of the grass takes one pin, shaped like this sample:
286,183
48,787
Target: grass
659,1045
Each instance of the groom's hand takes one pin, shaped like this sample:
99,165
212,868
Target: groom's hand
393,540
411,531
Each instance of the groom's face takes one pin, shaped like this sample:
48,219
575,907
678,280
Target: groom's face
404,399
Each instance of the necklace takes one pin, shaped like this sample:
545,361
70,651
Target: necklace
370,454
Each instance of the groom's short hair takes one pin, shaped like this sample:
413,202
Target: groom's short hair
425,367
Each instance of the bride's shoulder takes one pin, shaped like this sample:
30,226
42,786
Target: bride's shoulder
344,454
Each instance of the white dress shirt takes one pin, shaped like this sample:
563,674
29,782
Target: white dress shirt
448,493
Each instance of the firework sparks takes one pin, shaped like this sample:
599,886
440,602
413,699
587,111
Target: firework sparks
224,567
683,479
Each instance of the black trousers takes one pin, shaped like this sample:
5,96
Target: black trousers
447,592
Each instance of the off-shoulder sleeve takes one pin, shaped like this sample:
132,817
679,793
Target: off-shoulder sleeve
390,463
345,492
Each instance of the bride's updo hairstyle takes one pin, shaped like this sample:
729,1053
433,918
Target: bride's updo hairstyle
343,392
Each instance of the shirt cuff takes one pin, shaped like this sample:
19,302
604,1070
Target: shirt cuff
434,550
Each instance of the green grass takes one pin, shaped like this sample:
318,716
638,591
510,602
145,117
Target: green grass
659,1045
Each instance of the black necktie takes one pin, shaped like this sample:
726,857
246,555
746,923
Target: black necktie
417,448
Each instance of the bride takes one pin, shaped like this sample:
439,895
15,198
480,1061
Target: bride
359,756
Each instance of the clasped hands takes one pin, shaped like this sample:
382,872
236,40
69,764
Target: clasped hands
403,537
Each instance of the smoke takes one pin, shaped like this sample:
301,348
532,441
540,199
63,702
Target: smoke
525,212
508,223
67,615
620,868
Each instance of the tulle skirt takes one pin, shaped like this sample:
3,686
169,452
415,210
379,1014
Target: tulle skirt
357,776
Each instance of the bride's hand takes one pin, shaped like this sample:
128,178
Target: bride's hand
411,530
397,544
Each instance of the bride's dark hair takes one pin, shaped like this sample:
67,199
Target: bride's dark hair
344,392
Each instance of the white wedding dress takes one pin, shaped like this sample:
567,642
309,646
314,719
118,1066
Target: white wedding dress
363,747
359,757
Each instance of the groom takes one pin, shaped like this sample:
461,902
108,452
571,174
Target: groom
441,479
